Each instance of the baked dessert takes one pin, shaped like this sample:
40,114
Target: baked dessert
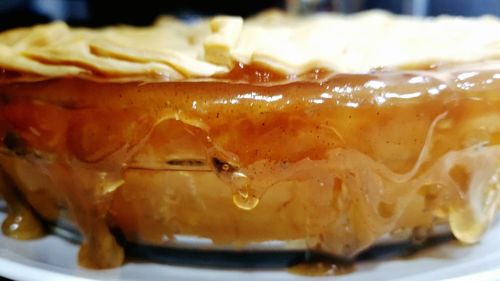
329,129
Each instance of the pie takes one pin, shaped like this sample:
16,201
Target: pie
333,130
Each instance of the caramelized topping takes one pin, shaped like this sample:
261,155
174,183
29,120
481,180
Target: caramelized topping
337,160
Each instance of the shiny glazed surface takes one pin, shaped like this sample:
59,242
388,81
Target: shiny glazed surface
335,160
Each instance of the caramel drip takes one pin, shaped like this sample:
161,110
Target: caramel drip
88,195
21,222
336,159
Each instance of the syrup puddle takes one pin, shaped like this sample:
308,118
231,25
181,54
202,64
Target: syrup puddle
318,265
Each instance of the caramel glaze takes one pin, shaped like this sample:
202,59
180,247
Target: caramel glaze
21,222
248,157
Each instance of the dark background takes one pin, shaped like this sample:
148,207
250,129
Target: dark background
14,13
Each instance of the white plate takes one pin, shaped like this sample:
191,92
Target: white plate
53,258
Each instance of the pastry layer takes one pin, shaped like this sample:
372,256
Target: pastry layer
176,50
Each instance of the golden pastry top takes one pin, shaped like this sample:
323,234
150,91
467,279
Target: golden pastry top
172,49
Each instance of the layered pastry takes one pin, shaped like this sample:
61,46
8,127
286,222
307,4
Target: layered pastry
328,129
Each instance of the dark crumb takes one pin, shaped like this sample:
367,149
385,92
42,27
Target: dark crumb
15,143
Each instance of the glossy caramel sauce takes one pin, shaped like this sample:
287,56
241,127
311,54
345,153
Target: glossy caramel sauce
21,222
337,160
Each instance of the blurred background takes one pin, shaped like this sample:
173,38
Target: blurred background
14,13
